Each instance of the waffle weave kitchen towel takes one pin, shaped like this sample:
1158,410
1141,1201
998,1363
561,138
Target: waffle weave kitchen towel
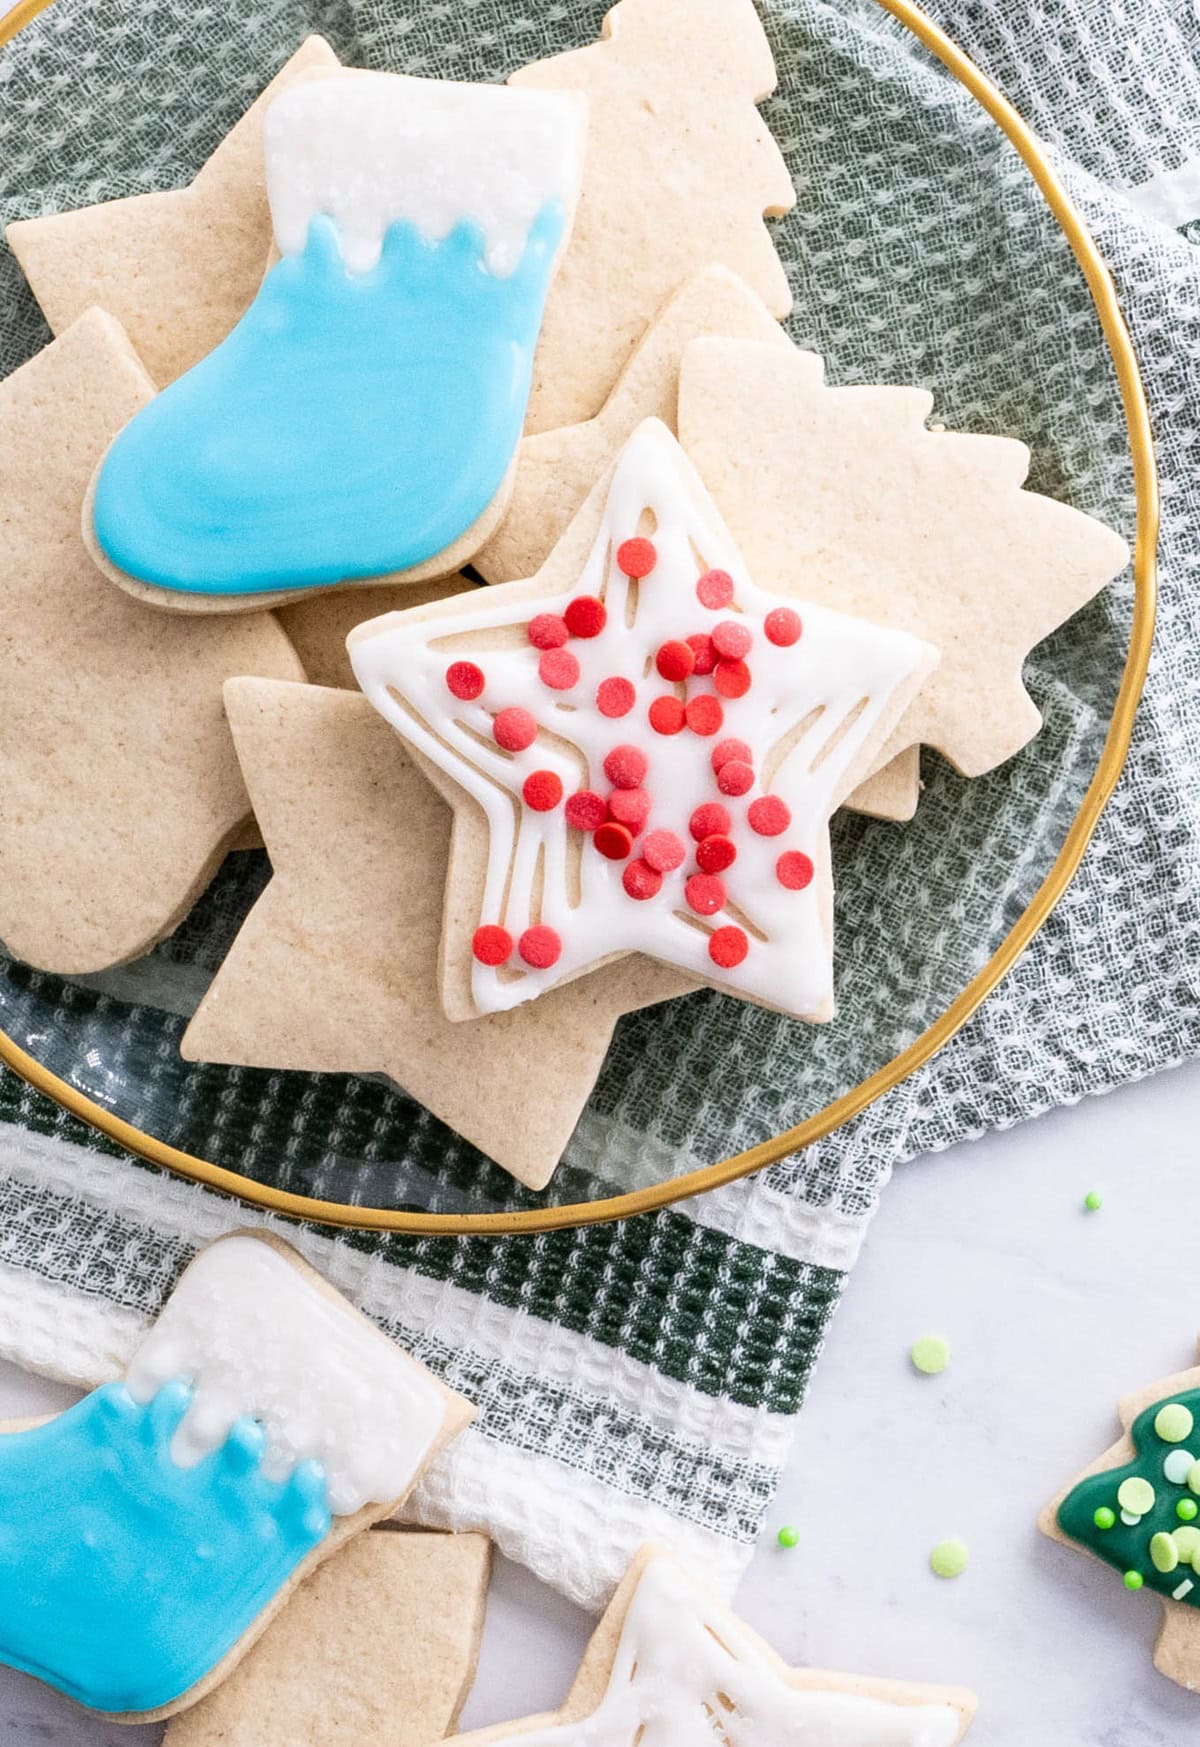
642,1379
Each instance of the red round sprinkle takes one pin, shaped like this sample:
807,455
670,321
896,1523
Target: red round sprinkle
540,947
715,854
641,880
701,646
585,616
735,778
625,767
558,669
675,660
636,557
727,947
464,679
724,750
783,627
514,729
794,870
629,807
769,815
715,589
705,894
710,820
667,715
615,697
731,678
704,714
542,790
547,631
492,944
664,851
586,810
613,840
731,640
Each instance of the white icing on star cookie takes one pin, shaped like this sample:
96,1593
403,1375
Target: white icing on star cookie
686,1674
657,750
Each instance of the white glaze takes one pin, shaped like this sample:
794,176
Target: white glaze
677,1659
838,662
258,1338
368,149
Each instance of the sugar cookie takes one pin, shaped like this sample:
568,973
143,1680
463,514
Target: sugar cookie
153,1529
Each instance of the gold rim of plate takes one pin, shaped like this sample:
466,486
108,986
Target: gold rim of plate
843,1109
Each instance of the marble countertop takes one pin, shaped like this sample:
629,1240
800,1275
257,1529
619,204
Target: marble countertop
1052,1313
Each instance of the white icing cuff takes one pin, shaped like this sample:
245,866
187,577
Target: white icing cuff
259,1338
368,149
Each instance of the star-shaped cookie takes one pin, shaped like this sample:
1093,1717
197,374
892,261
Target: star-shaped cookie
656,745
175,268
336,968
846,494
119,787
669,1666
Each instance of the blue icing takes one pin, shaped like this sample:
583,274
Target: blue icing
351,424
125,1578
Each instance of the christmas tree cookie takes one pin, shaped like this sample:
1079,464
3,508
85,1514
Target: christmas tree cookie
847,494
1137,1508
668,1666
654,744
151,1531
680,170
360,421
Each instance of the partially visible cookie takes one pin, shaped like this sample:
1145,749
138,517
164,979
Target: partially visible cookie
378,1644
319,626
120,790
680,170
845,495
669,1663
557,469
154,1529
1137,1508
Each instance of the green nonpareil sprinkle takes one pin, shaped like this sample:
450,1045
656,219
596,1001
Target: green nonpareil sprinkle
788,1536
949,1558
1093,1201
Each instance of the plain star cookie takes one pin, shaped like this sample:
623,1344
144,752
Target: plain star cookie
152,1530
335,970
1137,1508
359,423
655,742
669,1665
120,790
845,494
176,268
680,170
